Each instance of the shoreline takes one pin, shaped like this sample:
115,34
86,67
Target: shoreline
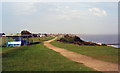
116,46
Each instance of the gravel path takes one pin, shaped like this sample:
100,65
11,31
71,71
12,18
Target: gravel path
86,60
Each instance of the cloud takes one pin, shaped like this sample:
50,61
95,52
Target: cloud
67,6
65,12
98,12
24,8
62,9
71,14
56,9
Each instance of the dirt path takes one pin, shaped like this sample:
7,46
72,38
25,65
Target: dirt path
88,61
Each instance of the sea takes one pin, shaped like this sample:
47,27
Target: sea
102,39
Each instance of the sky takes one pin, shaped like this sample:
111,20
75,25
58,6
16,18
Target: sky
0,16
63,17
59,0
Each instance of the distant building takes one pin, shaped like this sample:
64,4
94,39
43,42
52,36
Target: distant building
17,40
99,43
41,35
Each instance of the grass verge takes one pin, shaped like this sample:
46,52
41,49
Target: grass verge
105,53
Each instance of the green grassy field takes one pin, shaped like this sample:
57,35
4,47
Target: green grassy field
35,39
7,48
105,53
39,58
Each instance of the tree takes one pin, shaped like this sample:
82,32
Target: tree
25,32
35,35
45,34
3,33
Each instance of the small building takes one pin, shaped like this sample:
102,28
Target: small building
40,35
17,40
99,43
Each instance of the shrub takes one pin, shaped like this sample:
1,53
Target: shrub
63,40
76,40
104,44
71,39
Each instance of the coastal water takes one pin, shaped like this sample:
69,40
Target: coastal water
101,39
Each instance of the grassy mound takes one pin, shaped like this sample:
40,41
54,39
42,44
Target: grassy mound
76,40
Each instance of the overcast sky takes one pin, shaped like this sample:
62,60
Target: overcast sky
64,17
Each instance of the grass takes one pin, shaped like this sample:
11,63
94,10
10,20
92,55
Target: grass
7,48
35,39
41,39
105,53
37,57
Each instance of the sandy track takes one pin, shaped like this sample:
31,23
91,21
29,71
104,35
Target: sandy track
88,61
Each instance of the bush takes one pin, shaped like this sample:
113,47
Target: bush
76,40
63,40
104,44
71,39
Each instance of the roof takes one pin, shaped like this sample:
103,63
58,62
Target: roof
14,35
